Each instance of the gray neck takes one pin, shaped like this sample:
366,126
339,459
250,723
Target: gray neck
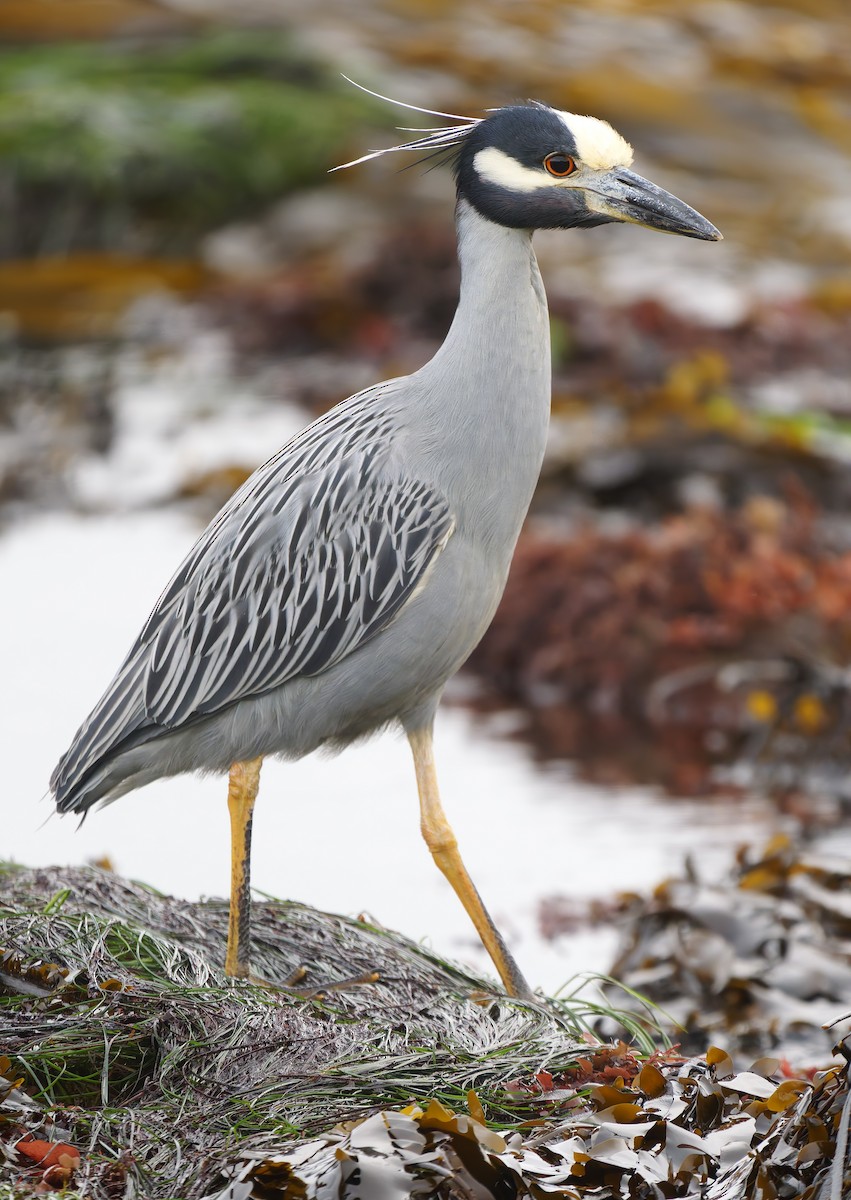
489,384
502,295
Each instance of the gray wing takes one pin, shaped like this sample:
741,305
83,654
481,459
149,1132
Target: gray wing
315,554
289,590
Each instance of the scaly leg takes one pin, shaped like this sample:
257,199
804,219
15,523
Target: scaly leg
243,782
444,848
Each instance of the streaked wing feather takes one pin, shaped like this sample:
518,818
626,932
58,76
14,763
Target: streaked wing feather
291,592
280,583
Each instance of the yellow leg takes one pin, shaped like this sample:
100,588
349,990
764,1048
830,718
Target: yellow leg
444,848
243,783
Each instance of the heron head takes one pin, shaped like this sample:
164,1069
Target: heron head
528,166
533,167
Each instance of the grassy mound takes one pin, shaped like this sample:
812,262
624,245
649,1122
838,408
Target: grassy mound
133,1067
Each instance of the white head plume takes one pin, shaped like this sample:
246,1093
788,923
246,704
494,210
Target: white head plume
433,140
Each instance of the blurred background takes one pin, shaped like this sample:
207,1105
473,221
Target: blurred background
183,285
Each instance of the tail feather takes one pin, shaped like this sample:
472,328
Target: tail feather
117,722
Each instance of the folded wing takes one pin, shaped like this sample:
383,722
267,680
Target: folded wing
291,592
315,554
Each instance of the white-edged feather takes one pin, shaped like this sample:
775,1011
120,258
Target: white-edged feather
439,138
430,112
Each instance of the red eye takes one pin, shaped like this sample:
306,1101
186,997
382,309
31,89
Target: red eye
560,165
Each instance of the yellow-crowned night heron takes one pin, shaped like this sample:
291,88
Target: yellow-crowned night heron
353,573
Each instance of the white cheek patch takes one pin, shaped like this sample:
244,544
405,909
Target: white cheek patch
500,168
597,144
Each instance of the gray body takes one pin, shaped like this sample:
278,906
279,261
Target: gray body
471,425
354,572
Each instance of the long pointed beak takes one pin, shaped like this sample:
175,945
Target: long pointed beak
621,195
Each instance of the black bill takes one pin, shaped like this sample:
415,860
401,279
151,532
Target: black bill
622,195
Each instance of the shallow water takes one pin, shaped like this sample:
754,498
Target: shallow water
340,833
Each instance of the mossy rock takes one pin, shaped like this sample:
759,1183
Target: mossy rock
144,146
